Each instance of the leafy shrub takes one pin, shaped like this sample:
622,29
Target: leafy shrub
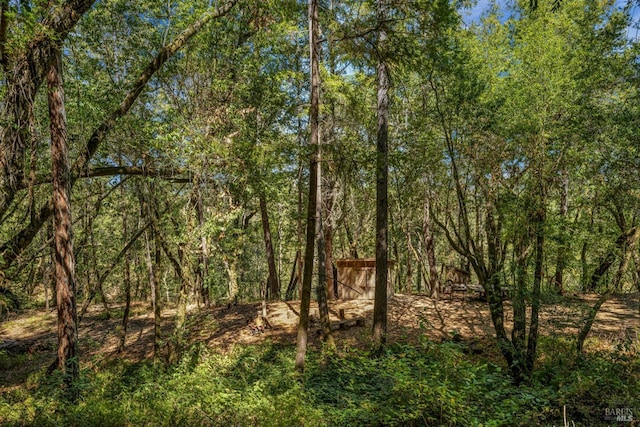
424,384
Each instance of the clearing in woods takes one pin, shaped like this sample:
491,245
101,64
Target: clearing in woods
32,333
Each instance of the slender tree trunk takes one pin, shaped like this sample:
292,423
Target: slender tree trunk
328,247
300,236
274,282
323,306
382,176
539,219
429,247
127,305
183,295
202,271
127,279
521,260
154,285
561,260
63,237
303,325
97,285
591,317
293,281
409,281
419,278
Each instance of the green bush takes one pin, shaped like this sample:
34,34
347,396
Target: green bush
424,384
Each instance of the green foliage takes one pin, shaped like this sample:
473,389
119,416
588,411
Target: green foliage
423,384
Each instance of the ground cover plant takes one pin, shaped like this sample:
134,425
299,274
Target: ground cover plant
421,379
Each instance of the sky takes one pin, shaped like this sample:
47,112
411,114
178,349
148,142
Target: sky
471,15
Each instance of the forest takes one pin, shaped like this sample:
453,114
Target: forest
319,213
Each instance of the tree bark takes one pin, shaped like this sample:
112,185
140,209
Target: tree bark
303,325
63,235
538,220
382,177
126,278
323,306
561,260
154,286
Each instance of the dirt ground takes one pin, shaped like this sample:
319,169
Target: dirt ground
32,334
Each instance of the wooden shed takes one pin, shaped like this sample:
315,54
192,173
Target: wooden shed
357,278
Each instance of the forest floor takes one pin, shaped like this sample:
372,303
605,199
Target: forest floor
32,334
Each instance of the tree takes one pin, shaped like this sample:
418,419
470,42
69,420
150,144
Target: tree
382,178
63,235
312,210
13,143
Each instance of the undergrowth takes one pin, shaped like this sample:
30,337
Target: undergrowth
423,384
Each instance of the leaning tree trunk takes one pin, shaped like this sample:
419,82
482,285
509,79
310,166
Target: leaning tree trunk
624,240
382,177
63,235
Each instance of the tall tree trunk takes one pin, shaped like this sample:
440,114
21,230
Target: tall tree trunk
561,260
323,306
274,282
539,218
154,285
305,301
382,176
127,279
63,236
519,331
